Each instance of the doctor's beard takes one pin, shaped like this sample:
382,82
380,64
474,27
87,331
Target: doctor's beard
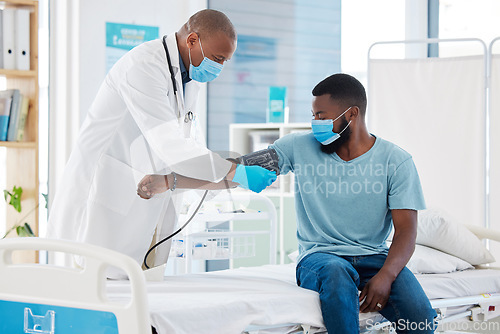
344,138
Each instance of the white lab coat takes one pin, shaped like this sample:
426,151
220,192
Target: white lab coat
133,128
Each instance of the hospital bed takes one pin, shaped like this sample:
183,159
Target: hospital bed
37,298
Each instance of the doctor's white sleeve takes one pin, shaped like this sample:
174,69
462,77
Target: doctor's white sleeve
146,94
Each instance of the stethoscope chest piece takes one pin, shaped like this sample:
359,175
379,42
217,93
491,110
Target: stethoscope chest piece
189,117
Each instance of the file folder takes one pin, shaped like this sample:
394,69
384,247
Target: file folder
22,39
5,101
8,27
1,38
22,118
15,110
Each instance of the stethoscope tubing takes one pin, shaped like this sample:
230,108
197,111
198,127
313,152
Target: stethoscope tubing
189,116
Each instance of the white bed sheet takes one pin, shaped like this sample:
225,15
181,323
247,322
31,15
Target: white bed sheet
460,283
229,301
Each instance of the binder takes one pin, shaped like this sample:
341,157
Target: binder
22,39
1,38
22,118
5,101
8,26
15,107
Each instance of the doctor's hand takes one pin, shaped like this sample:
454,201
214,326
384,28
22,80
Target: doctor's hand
151,185
254,178
375,293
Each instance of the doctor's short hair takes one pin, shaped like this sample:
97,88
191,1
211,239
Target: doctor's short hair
207,22
344,89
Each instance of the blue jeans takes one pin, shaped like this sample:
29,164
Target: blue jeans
338,279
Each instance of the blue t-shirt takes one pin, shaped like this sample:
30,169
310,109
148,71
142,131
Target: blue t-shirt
344,207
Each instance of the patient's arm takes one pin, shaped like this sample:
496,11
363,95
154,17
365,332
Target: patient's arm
403,242
377,290
156,184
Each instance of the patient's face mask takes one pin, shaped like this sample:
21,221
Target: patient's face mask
208,69
323,129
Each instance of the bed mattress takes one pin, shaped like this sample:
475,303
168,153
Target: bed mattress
229,301
460,283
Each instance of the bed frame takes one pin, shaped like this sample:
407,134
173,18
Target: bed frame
38,298
485,307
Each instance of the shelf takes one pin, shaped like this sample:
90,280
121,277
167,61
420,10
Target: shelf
20,2
21,165
226,234
17,73
15,144
269,126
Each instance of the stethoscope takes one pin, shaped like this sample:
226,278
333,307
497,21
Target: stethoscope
189,116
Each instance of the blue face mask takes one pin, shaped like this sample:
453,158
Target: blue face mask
323,129
206,71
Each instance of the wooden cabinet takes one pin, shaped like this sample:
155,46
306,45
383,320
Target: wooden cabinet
21,168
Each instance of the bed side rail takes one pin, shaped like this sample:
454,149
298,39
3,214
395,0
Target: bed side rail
82,288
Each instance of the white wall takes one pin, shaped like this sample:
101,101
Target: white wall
416,19
381,20
168,15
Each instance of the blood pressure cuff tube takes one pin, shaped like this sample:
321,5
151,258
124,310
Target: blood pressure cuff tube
267,159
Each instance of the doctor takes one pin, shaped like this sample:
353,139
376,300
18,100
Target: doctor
141,123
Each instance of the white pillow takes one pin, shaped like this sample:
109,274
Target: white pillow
293,256
424,260
437,230
427,260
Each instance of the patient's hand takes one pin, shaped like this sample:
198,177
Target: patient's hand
151,185
375,293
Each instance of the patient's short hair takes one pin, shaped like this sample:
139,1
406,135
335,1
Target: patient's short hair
208,22
344,89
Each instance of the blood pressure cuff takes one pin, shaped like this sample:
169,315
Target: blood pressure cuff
267,159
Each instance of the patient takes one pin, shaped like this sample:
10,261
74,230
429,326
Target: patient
351,187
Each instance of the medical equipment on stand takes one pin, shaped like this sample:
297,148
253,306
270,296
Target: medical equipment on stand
230,227
267,158
175,233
